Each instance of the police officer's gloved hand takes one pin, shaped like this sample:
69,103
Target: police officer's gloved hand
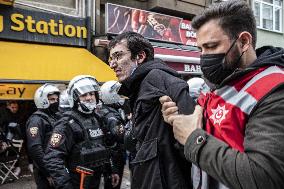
116,128
130,140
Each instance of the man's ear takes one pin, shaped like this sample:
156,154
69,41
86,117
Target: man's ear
141,57
246,40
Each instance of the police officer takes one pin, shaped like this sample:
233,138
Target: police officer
64,102
78,138
38,130
113,108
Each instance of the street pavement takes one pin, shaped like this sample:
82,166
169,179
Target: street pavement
26,181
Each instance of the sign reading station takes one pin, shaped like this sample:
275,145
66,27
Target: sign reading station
42,27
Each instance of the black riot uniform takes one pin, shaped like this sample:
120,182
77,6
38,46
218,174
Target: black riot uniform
78,139
116,121
38,130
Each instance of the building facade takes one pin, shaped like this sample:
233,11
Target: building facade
179,13
270,20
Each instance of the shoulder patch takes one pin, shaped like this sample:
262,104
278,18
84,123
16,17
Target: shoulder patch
55,139
34,131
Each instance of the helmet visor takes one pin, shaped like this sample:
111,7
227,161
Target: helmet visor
80,90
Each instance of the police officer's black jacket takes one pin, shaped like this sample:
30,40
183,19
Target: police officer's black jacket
69,137
158,164
38,130
116,126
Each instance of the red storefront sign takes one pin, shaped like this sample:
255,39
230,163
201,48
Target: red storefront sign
151,25
182,61
185,67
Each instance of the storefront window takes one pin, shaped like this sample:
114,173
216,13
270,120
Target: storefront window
268,14
267,17
67,7
257,13
63,3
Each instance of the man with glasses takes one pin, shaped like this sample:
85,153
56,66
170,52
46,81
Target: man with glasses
158,163
236,135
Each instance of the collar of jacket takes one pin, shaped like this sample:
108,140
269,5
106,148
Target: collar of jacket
130,86
266,56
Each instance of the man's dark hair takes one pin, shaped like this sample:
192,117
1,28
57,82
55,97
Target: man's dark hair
234,16
11,102
136,43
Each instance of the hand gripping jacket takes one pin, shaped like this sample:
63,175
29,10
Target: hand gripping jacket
227,109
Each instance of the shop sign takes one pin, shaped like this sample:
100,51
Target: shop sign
149,24
18,91
7,2
192,68
26,25
185,67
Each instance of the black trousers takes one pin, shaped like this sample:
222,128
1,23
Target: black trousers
41,180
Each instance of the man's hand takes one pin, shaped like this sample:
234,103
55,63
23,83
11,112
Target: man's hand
184,125
114,179
3,146
168,108
50,181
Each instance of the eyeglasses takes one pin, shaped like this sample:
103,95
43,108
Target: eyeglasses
117,56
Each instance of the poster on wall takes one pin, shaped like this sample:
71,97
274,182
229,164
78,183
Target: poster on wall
151,25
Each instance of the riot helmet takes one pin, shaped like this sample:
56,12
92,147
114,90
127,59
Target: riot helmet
109,94
80,86
64,101
42,94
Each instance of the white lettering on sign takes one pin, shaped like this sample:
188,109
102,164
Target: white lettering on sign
185,26
95,133
192,68
190,34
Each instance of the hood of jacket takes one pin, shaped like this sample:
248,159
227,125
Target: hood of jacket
130,86
266,56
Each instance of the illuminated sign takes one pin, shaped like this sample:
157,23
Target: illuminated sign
18,91
43,27
149,24
185,67
7,2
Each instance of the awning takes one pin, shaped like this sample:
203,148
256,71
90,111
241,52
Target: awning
30,65
183,59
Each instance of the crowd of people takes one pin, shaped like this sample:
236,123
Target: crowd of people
221,131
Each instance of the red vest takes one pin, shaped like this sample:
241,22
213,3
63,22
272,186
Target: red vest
227,109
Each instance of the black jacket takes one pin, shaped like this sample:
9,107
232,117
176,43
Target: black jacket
158,163
261,165
38,130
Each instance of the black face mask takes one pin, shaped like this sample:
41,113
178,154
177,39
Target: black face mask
215,67
53,108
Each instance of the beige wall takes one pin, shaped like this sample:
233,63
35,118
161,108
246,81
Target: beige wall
269,38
